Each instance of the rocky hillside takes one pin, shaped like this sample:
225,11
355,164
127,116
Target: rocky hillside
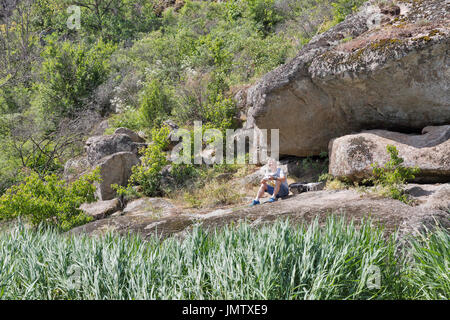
376,80
385,67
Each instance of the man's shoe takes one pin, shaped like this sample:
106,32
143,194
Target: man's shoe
271,200
254,203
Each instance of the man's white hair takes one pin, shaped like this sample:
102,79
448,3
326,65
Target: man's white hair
272,160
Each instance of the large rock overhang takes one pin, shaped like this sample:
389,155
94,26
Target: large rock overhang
394,76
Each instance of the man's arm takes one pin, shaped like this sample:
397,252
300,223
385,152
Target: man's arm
282,177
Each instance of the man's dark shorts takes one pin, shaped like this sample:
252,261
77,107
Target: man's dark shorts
284,191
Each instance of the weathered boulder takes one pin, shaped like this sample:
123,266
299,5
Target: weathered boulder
440,199
433,196
133,135
304,208
114,169
351,156
375,70
98,147
100,209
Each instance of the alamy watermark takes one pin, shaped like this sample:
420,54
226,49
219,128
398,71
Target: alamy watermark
73,281
209,146
373,280
74,20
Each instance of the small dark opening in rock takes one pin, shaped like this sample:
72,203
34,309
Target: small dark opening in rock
390,10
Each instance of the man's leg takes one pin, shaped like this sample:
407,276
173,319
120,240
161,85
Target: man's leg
261,191
277,189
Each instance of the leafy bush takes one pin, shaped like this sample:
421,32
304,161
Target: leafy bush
221,114
156,105
70,73
264,13
333,183
49,201
342,8
392,177
181,176
41,162
129,118
115,20
277,261
148,174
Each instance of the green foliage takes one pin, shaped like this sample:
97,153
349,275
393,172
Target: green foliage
156,105
393,175
50,15
148,173
221,114
127,192
277,261
264,13
325,177
182,176
342,8
198,55
113,20
430,271
70,73
8,174
49,201
42,163
129,118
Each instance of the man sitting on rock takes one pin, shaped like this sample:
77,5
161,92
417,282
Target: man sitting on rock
274,183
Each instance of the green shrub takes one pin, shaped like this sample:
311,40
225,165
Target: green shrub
182,176
70,73
156,105
221,114
114,20
42,163
342,8
392,177
49,201
129,118
148,173
264,13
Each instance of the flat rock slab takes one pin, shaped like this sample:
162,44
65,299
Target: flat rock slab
100,209
435,196
303,208
148,207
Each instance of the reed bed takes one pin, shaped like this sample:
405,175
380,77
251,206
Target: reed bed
280,261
